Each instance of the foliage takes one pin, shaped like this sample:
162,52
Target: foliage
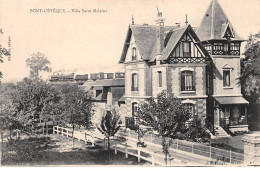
78,107
109,126
196,131
250,72
166,115
3,52
30,97
38,62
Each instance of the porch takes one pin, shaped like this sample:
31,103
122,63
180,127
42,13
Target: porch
231,113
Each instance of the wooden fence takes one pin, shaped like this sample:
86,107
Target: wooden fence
126,143
217,154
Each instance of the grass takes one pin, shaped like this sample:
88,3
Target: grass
58,150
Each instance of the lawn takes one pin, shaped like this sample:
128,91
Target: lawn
58,150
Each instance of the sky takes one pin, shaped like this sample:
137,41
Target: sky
91,42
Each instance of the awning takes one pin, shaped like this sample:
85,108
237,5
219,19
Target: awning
231,100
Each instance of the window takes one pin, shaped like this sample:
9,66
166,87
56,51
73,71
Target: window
235,46
134,82
226,78
159,78
187,83
218,46
134,111
186,49
133,53
189,107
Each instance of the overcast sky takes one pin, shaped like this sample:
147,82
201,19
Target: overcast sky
93,42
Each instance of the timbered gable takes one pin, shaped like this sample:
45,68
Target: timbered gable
184,48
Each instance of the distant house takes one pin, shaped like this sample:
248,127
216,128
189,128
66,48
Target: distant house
107,94
81,79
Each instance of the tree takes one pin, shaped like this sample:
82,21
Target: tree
109,126
3,52
78,107
30,97
37,63
166,115
250,72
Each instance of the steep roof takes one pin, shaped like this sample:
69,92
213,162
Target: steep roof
145,37
214,24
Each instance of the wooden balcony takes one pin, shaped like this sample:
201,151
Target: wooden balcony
187,60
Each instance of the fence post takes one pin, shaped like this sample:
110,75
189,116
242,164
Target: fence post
138,152
126,154
67,132
57,130
230,156
210,151
47,129
105,145
152,159
85,138
115,148
61,131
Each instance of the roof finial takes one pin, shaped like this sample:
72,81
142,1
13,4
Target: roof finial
133,22
186,22
159,14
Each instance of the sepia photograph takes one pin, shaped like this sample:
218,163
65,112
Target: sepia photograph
130,83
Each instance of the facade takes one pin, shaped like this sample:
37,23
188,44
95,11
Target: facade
107,94
199,66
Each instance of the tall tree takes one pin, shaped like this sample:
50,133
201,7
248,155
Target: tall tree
166,115
3,52
78,109
109,126
250,72
37,63
31,96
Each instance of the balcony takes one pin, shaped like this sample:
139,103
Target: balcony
187,60
188,88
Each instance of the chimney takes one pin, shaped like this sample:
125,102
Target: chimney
159,35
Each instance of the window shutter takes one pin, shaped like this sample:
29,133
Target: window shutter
193,80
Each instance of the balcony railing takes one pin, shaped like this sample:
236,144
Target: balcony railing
187,88
187,60
234,121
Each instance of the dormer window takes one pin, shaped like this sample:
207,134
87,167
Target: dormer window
186,49
133,53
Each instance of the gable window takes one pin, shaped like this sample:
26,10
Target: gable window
134,82
187,83
159,78
226,78
133,53
186,49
